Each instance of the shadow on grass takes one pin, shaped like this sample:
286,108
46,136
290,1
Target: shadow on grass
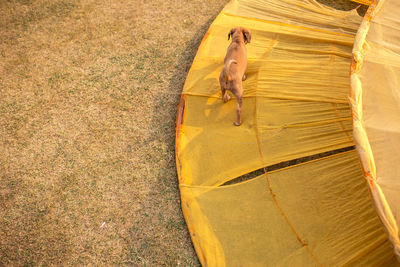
163,120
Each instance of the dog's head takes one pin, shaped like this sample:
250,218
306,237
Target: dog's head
240,33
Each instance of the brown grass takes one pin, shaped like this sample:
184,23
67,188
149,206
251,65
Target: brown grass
89,91
88,98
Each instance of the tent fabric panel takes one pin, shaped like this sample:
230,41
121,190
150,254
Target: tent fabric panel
211,146
312,214
376,113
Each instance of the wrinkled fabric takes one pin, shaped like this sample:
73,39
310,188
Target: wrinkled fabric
295,105
376,109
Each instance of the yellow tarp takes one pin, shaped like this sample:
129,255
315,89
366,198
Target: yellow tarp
376,109
295,105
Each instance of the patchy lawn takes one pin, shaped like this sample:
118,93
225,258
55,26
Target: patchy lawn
88,98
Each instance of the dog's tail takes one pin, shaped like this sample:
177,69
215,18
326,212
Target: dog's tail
226,69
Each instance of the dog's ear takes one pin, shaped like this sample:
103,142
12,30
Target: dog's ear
247,35
231,33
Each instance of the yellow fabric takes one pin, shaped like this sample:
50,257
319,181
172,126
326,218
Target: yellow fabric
295,105
376,108
326,204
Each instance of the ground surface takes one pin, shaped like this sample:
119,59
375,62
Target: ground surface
88,98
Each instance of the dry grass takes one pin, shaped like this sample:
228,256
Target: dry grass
89,91
88,98
345,5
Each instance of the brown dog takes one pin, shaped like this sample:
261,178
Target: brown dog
232,74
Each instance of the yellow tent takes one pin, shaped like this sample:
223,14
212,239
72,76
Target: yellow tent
375,99
318,210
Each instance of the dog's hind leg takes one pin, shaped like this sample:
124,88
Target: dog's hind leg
225,96
224,91
239,99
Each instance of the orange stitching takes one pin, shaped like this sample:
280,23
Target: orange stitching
304,244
